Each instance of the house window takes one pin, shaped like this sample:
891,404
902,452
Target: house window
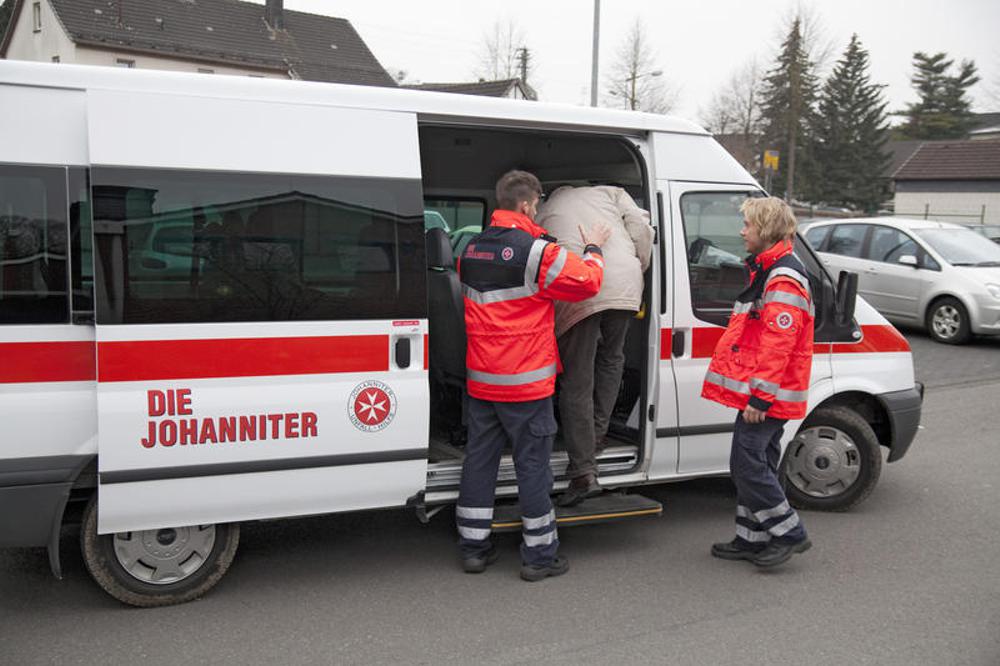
123,62
55,59
36,17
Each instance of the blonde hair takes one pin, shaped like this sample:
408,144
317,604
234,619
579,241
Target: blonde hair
772,218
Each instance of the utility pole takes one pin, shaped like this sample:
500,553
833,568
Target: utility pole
593,58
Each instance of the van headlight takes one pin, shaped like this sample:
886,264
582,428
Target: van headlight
994,289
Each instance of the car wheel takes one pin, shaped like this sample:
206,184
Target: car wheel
948,321
157,567
833,463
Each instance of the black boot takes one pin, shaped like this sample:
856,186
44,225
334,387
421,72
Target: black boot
779,553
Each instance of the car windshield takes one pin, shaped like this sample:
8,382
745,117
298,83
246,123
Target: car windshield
962,247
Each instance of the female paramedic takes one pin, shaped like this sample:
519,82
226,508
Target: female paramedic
761,367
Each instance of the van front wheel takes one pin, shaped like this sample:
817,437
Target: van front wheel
833,463
157,567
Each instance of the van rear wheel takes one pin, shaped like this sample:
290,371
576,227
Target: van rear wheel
157,567
833,463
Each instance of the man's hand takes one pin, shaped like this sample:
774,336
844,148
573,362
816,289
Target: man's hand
598,235
753,415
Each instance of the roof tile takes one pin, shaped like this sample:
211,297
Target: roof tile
953,160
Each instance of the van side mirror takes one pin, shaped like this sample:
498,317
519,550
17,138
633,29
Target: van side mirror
908,260
847,297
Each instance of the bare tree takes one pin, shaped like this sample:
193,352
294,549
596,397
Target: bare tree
734,113
635,81
500,56
735,108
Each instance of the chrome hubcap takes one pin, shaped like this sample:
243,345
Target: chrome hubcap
164,556
823,461
946,321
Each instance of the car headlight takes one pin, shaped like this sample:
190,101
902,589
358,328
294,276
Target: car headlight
994,289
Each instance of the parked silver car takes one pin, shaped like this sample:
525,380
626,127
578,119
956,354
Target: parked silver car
943,276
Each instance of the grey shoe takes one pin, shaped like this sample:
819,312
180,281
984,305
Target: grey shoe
580,489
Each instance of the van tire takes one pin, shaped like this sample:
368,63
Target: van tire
947,321
104,565
833,463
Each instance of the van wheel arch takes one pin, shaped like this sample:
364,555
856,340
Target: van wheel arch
102,556
840,436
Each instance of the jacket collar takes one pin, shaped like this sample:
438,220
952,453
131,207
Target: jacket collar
766,259
514,220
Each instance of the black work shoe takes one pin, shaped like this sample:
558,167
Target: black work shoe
479,564
733,550
580,489
779,553
533,573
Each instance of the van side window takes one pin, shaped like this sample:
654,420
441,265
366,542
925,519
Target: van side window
81,240
463,218
816,236
847,240
888,245
181,246
712,223
33,280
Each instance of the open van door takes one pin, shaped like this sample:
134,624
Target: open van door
261,309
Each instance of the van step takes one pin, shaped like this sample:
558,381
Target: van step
602,509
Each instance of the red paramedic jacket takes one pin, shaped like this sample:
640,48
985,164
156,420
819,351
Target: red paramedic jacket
511,275
764,358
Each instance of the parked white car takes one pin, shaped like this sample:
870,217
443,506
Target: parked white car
943,276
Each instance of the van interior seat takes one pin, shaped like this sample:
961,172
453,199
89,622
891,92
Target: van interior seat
446,343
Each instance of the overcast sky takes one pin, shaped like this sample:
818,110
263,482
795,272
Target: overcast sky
699,44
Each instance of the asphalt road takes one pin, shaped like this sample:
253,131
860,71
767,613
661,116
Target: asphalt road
911,576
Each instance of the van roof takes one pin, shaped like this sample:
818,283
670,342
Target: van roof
429,106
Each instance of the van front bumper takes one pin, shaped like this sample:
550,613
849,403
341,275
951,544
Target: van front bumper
903,408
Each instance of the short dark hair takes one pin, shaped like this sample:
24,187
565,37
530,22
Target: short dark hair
517,186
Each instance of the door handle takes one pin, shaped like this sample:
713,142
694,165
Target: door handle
402,353
677,344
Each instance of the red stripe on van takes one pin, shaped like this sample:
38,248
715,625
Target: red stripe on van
666,343
875,338
241,357
704,339
46,362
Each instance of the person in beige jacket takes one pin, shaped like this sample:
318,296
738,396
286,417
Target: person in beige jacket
591,333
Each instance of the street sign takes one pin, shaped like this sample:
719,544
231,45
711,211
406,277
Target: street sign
771,160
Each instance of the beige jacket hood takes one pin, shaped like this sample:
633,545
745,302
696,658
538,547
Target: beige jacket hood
626,253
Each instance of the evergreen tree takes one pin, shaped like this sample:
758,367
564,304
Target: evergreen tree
944,110
850,133
787,103
6,8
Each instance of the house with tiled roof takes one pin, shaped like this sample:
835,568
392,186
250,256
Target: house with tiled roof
209,36
951,181
516,88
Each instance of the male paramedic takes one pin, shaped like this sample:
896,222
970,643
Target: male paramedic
591,333
761,366
511,273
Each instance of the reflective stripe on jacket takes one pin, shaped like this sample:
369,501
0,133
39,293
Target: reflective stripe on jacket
764,358
510,278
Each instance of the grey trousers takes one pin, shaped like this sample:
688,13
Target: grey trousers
593,358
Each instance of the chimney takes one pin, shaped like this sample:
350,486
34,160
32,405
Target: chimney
274,14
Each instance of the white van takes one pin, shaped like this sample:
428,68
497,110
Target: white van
218,304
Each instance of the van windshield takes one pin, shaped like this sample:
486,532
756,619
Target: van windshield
962,247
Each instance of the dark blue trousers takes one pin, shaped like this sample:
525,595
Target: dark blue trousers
762,511
529,428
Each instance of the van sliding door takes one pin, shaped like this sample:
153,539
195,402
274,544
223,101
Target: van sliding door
261,309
